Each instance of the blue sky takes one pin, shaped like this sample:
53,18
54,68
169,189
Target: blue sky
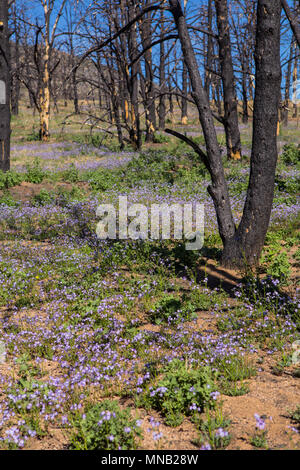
37,15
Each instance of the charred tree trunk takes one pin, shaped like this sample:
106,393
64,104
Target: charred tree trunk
149,95
162,77
246,245
231,124
15,82
74,87
184,105
243,246
213,160
209,54
285,114
245,93
135,131
295,69
4,88
171,104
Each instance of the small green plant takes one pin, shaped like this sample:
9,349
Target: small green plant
105,426
172,310
33,136
42,198
276,263
8,200
297,255
295,417
161,139
285,361
71,175
236,368
232,389
259,438
291,154
213,430
35,174
103,180
182,391
202,301
9,179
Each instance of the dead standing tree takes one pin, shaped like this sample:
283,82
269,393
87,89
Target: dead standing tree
4,88
43,51
243,244
230,119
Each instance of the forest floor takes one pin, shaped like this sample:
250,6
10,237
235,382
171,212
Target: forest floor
142,344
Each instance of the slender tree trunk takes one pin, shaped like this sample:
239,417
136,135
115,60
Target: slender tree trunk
44,93
4,88
218,189
287,87
135,131
184,105
246,245
44,99
74,81
149,95
15,82
209,55
244,86
295,76
231,123
162,76
171,104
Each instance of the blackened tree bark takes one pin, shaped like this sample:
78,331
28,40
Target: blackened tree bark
184,105
149,93
15,63
70,18
213,160
285,111
231,124
295,70
244,90
162,75
135,131
4,88
209,51
242,246
248,241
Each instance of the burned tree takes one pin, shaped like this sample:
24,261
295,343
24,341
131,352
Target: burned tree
4,88
230,118
242,244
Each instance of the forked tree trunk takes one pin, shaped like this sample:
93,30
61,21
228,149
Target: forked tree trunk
218,189
248,241
243,246
4,88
